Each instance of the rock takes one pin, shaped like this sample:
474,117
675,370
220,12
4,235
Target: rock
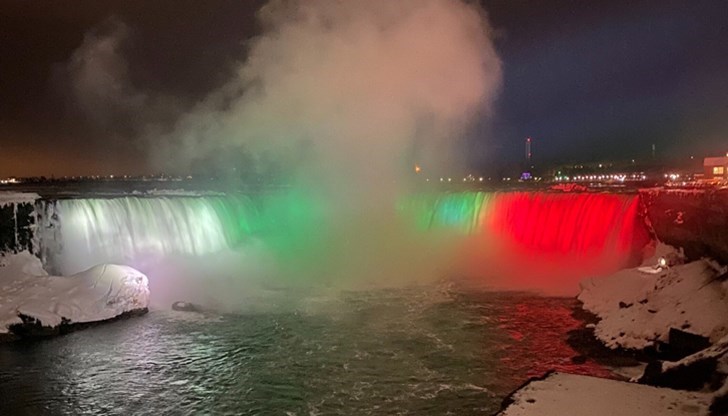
186,307
682,343
694,220
588,346
693,372
719,406
32,328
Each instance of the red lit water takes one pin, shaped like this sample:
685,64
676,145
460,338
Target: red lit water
545,241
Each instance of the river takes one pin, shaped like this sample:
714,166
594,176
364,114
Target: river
433,349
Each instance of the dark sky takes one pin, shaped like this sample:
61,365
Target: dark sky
588,80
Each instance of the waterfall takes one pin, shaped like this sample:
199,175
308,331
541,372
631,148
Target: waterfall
535,240
551,222
583,224
79,233
528,238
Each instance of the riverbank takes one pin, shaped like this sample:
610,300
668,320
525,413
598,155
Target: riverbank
670,314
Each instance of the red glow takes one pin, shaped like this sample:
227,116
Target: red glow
551,241
539,325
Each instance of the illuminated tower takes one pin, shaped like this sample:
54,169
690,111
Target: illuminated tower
528,150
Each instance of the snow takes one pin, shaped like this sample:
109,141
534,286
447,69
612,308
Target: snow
567,394
638,308
17,198
100,293
176,192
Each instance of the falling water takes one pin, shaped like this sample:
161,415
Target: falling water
535,240
526,239
79,233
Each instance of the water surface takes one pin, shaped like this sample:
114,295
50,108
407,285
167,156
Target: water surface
419,350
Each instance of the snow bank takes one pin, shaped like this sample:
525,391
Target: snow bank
176,192
568,394
638,306
17,198
100,293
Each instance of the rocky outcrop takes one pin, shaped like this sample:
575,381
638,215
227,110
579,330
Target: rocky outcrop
704,370
33,304
695,220
16,227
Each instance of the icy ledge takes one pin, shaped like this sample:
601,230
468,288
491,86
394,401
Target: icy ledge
103,292
637,307
7,198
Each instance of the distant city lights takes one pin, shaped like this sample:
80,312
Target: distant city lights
617,177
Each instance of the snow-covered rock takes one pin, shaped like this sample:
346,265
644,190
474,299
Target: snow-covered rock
100,293
637,309
574,395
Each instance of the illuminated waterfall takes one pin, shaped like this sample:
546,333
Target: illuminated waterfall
86,232
568,223
535,239
532,239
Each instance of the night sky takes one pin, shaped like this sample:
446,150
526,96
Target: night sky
588,80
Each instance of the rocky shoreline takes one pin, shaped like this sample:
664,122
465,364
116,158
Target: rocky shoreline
672,319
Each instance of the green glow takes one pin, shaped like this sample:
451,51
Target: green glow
295,226
462,211
238,217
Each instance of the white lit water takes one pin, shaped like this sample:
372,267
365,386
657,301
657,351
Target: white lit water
79,233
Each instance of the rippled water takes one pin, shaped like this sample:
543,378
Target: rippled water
421,350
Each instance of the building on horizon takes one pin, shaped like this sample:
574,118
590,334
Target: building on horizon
716,168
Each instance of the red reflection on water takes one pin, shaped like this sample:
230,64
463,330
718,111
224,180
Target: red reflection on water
540,325
551,241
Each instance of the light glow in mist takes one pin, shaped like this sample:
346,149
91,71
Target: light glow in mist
347,96
351,91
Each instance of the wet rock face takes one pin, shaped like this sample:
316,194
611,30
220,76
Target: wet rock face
697,221
689,377
16,227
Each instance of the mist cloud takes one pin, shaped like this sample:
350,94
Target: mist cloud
97,75
363,89
346,95
96,81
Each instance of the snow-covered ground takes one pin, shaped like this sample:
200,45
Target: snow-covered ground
574,395
638,306
176,192
17,198
100,293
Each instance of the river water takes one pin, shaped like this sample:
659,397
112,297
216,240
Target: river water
437,349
